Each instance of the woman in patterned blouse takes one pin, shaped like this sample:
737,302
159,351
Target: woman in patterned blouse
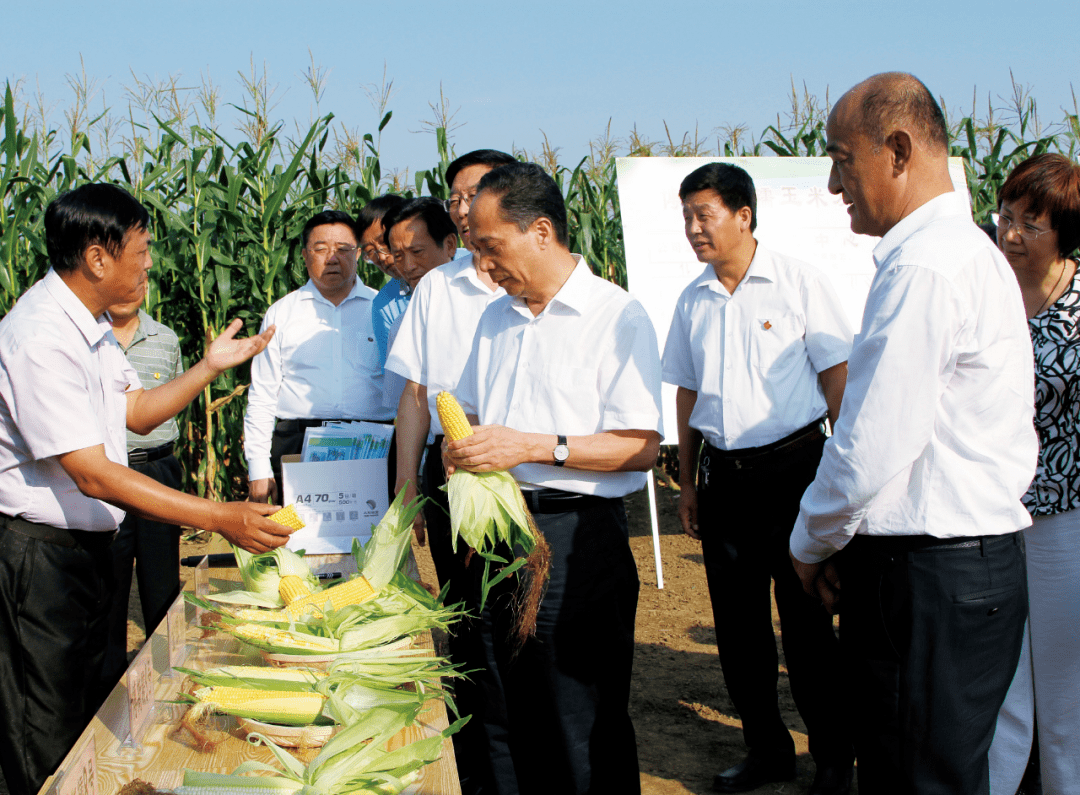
1038,228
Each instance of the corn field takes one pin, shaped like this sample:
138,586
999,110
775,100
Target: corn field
226,216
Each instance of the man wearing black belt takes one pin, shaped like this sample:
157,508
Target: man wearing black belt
758,348
430,351
912,519
153,351
323,364
565,375
66,393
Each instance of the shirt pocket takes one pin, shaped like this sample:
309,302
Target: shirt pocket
776,343
574,398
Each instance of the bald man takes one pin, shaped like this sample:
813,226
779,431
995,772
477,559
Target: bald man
919,487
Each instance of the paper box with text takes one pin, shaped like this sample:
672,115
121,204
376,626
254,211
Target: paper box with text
337,500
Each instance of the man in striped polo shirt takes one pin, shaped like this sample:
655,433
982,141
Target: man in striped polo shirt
153,350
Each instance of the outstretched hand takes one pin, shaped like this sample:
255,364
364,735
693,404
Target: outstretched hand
246,525
225,352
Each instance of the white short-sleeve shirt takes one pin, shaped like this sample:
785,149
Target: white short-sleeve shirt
436,333
63,379
323,362
935,435
588,363
753,356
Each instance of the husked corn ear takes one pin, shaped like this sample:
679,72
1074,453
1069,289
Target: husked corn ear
278,706
292,588
278,637
452,417
288,517
353,592
258,614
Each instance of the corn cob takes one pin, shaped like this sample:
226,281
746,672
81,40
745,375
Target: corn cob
287,516
292,588
261,635
353,592
287,707
452,416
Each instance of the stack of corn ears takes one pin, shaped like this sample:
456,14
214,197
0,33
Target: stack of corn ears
395,615
262,574
488,511
355,762
294,697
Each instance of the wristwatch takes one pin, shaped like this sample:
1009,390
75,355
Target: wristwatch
561,452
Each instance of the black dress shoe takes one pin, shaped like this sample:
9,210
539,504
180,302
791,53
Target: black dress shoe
752,772
832,780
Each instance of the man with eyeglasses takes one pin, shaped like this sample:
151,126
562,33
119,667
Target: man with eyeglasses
323,364
430,351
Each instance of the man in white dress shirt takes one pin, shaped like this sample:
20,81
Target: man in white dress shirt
324,362
564,376
430,351
758,349
67,397
919,487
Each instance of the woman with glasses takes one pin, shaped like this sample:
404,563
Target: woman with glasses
1038,229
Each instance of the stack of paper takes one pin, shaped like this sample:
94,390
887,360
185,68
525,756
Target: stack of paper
346,441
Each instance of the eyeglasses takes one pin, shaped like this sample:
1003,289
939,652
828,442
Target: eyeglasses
371,253
457,200
323,250
1026,231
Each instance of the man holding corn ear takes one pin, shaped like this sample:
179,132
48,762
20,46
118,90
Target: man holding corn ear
66,395
430,352
564,374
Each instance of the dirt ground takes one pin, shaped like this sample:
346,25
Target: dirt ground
686,727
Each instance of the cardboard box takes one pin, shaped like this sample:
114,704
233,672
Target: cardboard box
338,501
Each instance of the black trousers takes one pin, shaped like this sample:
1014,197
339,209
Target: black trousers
567,690
933,636
745,518
480,748
54,607
154,549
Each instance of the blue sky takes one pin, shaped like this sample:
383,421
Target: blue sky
516,71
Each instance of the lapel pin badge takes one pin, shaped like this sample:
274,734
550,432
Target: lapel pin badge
766,325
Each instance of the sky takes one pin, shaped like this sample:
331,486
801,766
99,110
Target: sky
513,73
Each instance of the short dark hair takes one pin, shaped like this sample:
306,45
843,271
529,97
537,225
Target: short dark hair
731,183
896,99
431,210
480,157
375,210
1048,183
97,214
526,192
328,217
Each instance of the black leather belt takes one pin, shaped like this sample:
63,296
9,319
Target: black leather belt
296,426
61,536
924,543
558,501
147,454
749,457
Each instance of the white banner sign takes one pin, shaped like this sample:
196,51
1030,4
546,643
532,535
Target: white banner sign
337,500
796,215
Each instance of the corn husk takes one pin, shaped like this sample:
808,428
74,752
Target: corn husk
355,762
385,553
261,575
